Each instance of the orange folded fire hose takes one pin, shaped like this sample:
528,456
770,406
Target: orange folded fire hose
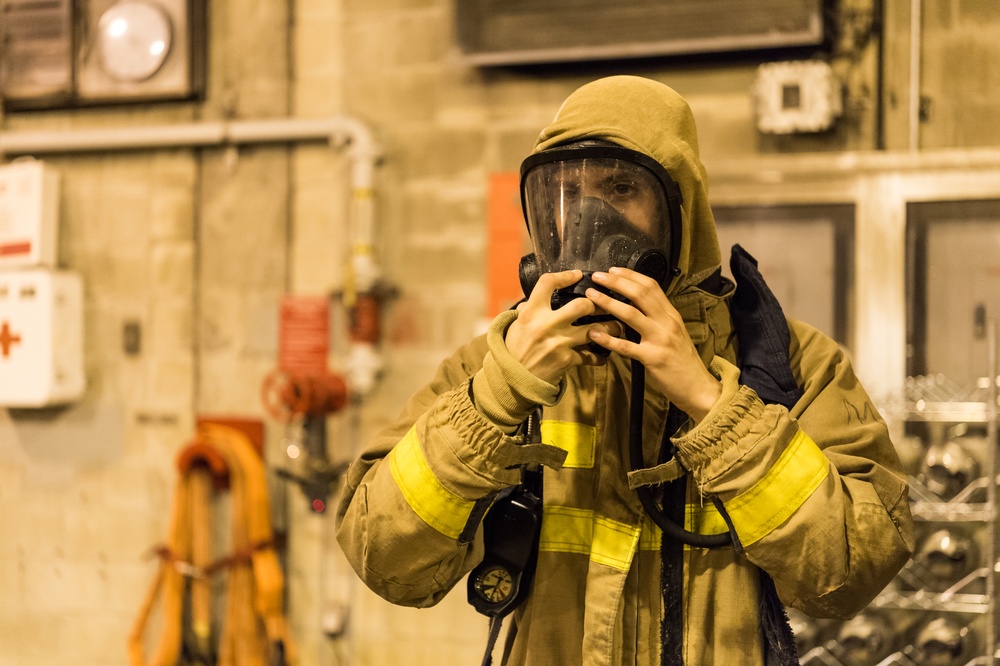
254,630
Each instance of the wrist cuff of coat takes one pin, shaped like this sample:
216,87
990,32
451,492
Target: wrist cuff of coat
718,434
505,391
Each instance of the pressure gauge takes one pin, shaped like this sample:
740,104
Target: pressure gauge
134,40
495,584
67,53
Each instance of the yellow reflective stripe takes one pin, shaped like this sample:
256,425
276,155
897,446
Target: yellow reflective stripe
569,530
704,519
700,519
649,537
578,440
606,541
436,505
799,470
566,530
615,543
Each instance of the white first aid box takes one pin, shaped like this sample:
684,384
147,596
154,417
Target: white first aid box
29,213
41,337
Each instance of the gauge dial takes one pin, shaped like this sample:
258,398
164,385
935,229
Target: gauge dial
134,39
495,584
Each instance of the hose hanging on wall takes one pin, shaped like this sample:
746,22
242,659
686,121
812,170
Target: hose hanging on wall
254,630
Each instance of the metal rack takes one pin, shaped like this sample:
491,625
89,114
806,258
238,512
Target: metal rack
923,617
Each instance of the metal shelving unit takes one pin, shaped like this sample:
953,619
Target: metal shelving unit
924,616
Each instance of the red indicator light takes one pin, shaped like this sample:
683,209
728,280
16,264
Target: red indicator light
318,505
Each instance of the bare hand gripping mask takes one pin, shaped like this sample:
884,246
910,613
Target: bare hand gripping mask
591,206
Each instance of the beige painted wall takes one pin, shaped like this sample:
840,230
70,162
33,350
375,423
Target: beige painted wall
198,245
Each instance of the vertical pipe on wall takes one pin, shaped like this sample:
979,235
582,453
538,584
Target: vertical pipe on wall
364,363
915,46
879,23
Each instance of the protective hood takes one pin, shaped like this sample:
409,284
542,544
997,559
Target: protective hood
651,118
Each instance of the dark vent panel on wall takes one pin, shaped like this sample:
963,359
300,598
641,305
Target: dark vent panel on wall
510,32
36,48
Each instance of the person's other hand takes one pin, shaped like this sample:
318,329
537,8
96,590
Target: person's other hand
545,341
664,348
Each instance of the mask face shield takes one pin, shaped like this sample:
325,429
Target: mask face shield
595,207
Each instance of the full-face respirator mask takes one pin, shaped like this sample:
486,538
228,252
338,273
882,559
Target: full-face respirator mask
593,205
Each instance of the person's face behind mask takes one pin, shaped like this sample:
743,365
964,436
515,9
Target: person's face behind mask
591,210
593,214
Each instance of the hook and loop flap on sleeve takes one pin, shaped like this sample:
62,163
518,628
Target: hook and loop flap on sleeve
654,476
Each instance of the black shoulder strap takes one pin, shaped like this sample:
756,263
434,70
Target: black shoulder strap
765,366
511,532
762,334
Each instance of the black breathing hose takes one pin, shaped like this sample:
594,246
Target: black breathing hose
636,403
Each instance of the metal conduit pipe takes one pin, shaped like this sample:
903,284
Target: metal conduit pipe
45,142
339,131
916,43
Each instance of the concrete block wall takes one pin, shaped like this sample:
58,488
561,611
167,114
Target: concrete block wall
197,247
957,65
961,109
86,488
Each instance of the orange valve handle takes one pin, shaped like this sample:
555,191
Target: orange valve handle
328,394
286,395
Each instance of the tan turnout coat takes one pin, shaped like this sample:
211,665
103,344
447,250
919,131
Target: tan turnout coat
815,493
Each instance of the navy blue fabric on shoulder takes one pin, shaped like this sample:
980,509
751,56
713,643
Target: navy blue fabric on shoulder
762,334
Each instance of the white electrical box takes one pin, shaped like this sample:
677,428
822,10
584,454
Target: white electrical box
797,97
29,213
41,337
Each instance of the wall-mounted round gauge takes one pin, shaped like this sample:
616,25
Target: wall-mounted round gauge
134,39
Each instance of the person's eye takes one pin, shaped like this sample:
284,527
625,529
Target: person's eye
623,189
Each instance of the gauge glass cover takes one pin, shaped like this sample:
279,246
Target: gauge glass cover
134,39
495,584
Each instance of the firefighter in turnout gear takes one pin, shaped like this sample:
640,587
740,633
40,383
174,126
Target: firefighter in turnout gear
754,428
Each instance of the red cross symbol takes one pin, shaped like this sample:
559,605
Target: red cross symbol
7,339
